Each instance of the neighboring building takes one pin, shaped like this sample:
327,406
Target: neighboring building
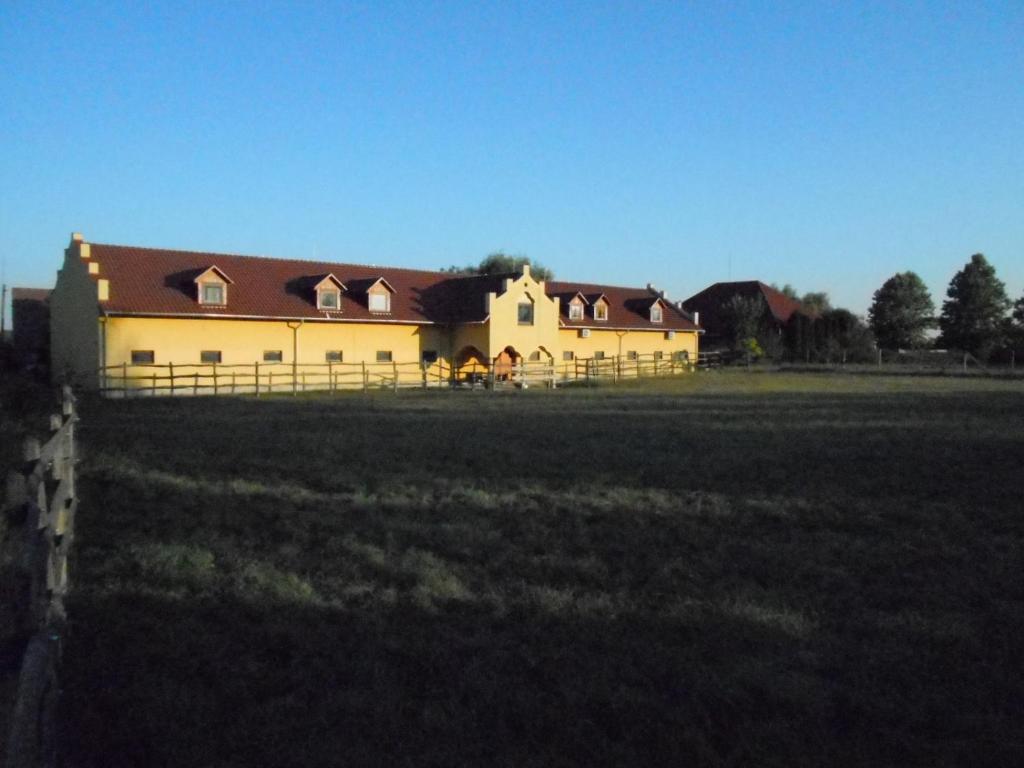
30,318
123,306
709,305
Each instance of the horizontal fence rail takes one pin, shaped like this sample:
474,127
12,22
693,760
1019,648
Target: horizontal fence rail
174,379
40,498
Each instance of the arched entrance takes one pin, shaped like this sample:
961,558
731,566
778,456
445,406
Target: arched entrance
470,362
505,363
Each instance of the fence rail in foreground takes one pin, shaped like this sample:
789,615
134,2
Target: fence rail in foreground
174,379
41,497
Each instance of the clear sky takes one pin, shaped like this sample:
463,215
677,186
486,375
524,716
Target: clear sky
823,144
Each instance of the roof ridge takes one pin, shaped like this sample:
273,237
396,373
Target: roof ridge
276,258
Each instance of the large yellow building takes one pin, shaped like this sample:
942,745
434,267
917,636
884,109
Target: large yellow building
147,318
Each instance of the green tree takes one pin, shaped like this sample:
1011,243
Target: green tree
744,319
973,317
501,263
787,290
816,303
901,312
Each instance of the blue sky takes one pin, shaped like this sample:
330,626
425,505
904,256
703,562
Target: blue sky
827,145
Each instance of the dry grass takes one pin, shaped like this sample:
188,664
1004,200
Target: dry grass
725,569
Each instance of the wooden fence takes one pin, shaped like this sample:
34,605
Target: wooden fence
174,379
40,499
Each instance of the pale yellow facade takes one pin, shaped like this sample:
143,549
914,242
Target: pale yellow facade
522,326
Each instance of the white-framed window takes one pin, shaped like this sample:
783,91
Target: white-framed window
327,298
212,293
656,313
333,356
383,355
142,356
600,311
525,312
576,311
568,355
272,356
380,302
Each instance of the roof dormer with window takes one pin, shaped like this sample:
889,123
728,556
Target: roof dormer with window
328,293
212,287
600,305
657,311
378,296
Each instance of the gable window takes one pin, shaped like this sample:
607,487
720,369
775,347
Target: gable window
272,356
328,299
384,356
526,313
600,311
429,356
576,311
212,293
209,356
380,302
333,356
142,356
568,355
656,313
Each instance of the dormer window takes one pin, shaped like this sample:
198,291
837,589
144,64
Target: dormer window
378,295
328,293
380,302
212,287
601,309
656,313
213,293
575,311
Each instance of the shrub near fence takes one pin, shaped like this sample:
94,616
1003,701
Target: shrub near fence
173,379
40,500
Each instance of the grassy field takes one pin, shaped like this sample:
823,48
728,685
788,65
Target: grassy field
728,569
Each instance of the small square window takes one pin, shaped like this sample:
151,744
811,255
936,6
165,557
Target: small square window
599,355
681,356
328,299
213,293
526,313
575,311
333,356
142,356
209,356
272,356
535,356
429,356
380,302
631,355
567,355
659,355
384,356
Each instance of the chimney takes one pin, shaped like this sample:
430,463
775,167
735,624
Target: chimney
696,318
76,237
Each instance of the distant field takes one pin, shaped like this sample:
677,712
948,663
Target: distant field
723,569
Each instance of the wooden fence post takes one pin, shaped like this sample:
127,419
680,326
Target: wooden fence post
257,369
170,368
124,379
215,388
366,379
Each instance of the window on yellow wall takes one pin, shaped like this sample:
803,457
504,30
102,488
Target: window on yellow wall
210,356
681,356
384,356
568,355
142,356
599,355
659,355
272,356
631,355
525,313
333,356
535,356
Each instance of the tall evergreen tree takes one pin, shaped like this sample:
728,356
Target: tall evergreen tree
973,317
901,312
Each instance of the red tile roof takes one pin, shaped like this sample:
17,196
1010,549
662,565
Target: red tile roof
714,296
151,281
628,308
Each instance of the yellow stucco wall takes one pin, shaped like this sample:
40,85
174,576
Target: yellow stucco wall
74,327
504,329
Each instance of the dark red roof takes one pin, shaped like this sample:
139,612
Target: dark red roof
711,299
151,281
627,307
